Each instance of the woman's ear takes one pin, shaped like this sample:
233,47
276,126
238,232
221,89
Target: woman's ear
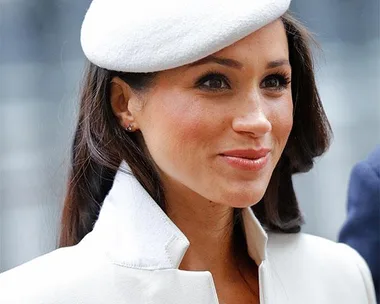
122,99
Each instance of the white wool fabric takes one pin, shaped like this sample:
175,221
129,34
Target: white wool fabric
151,35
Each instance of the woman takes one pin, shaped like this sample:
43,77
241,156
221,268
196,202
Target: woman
193,118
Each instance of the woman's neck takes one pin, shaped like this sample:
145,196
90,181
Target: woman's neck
210,229
216,245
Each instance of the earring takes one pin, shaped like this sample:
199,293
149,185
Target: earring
129,128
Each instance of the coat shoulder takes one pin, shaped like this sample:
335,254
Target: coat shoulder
323,261
31,282
51,277
310,248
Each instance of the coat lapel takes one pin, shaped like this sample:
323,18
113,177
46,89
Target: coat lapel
135,231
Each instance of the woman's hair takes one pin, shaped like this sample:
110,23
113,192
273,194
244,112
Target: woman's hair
100,144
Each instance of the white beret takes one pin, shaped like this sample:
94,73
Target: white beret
152,35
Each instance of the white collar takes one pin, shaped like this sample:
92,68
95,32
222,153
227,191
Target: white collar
135,232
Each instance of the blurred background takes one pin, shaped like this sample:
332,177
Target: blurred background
41,64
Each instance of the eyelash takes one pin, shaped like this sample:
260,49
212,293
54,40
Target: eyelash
283,78
212,75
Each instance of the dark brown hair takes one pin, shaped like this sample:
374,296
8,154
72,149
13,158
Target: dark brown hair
100,144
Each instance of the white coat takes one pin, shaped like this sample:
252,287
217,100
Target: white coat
134,251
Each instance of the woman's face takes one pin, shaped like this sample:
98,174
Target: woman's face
218,127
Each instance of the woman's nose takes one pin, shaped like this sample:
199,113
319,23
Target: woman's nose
254,122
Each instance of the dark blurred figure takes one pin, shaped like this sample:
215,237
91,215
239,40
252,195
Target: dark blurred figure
362,227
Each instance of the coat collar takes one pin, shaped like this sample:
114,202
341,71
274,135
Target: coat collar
136,233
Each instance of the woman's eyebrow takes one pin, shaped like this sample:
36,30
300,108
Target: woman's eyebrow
222,61
277,63
234,63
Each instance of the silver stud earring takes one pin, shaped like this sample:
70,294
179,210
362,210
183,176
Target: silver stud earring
129,128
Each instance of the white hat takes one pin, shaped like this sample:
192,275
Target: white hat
155,35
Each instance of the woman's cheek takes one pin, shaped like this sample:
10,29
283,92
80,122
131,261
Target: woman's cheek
179,128
187,120
283,121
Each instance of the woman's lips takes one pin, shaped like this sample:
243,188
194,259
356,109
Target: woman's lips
248,160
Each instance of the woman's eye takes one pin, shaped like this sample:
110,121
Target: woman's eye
214,82
276,82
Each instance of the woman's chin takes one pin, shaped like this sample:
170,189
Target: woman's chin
241,200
